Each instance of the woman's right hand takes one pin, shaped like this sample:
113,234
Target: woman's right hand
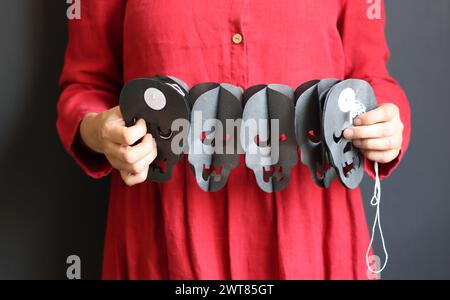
107,134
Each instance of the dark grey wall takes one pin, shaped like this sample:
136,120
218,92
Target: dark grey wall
49,209
416,206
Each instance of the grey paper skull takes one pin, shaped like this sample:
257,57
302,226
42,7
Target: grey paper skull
344,102
213,146
268,135
308,130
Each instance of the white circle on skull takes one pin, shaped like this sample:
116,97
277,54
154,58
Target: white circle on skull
155,99
347,99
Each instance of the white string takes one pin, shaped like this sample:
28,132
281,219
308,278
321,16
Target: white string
177,88
375,201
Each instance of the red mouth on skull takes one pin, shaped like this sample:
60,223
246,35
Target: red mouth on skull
212,171
347,168
322,169
272,172
161,165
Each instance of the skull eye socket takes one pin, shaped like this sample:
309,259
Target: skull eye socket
260,142
313,137
207,141
336,138
348,147
165,135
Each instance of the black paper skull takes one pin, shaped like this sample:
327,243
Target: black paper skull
159,101
270,153
214,146
345,101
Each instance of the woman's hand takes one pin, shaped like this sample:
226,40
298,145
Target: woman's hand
378,133
106,133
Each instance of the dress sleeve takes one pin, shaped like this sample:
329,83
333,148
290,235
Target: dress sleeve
91,77
366,56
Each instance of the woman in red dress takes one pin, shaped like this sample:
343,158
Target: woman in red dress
175,230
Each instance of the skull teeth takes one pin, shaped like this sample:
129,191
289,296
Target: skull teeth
212,171
347,168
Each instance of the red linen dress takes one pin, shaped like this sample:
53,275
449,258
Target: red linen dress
177,231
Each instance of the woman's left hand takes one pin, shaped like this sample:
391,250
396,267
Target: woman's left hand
378,133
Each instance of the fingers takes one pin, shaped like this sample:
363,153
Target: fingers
380,144
115,113
117,133
133,179
379,130
136,173
136,167
117,142
378,133
381,156
131,154
132,159
383,113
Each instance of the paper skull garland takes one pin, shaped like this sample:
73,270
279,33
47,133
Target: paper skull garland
159,101
274,120
345,101
268,135
308,130
214,145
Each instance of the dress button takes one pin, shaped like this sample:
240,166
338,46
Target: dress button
237,38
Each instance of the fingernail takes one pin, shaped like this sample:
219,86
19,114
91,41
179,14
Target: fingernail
348,134
357,121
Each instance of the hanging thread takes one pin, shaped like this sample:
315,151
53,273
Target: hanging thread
375,201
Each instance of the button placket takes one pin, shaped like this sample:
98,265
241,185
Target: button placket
237,44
